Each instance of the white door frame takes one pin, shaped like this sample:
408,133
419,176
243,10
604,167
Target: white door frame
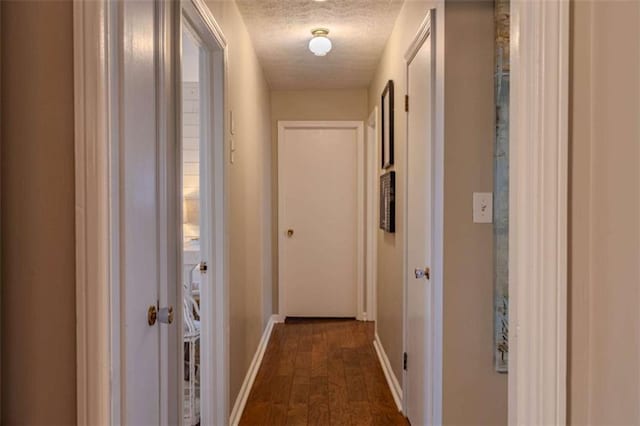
97,44
373,176
358,126
538,144
433,370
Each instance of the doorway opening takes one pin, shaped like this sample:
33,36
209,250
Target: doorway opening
201,206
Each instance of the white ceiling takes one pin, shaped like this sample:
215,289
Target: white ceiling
281,30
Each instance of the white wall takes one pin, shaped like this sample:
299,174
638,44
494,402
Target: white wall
191,159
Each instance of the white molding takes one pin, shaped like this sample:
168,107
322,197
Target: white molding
421,36
94,246
392,380
372,176
538,212
360,232
254,367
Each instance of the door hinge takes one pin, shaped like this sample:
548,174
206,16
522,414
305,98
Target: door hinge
406,103
404,361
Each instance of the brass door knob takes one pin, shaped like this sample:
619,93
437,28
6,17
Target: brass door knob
290,233
152,315
164,315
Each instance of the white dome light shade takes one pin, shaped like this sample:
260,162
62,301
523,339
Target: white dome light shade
320,44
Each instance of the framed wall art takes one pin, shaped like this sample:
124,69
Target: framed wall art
387,126
388,202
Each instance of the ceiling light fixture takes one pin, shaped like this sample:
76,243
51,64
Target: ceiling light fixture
320,44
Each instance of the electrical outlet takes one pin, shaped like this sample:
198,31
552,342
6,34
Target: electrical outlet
482,207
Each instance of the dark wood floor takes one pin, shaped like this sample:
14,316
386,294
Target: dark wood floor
321,373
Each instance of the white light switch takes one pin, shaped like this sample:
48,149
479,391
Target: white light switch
482,207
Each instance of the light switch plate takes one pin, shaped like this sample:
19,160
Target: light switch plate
482,207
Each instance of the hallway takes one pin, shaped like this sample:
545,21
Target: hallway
322,372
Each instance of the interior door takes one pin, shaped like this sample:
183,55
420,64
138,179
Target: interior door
139,218
318,167
419,230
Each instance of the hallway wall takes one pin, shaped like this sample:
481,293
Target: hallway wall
312,105
249,184
473,392
37,218
604,216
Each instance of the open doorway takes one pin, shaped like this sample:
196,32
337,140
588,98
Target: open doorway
201,206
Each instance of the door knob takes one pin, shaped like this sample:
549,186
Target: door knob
422,273
289,233
164,315
152,315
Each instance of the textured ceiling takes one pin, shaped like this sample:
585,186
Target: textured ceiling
281,30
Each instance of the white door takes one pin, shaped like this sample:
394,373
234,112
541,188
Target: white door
139,178
419,231
320,178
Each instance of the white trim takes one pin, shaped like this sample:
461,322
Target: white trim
168,223
372,176
424,31
359,127
392,381
538,212
254,367
431,29
96,255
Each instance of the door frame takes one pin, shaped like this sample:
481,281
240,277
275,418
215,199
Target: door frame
372,178
539,163
358,126
427,31
97,106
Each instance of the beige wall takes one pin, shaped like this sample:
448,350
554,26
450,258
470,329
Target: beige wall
249,197
473,392
38,249
604,281
311,105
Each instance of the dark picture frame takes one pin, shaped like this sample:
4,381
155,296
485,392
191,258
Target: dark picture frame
387,110
388,202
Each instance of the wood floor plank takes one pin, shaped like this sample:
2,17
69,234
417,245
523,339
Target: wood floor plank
298,415
322,372
277,415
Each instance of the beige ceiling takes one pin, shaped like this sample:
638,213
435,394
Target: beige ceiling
281,30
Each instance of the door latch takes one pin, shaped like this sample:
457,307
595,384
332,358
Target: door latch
164,315
422,273
203,267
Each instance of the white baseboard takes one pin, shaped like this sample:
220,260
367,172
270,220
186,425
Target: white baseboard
243,395
392,381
